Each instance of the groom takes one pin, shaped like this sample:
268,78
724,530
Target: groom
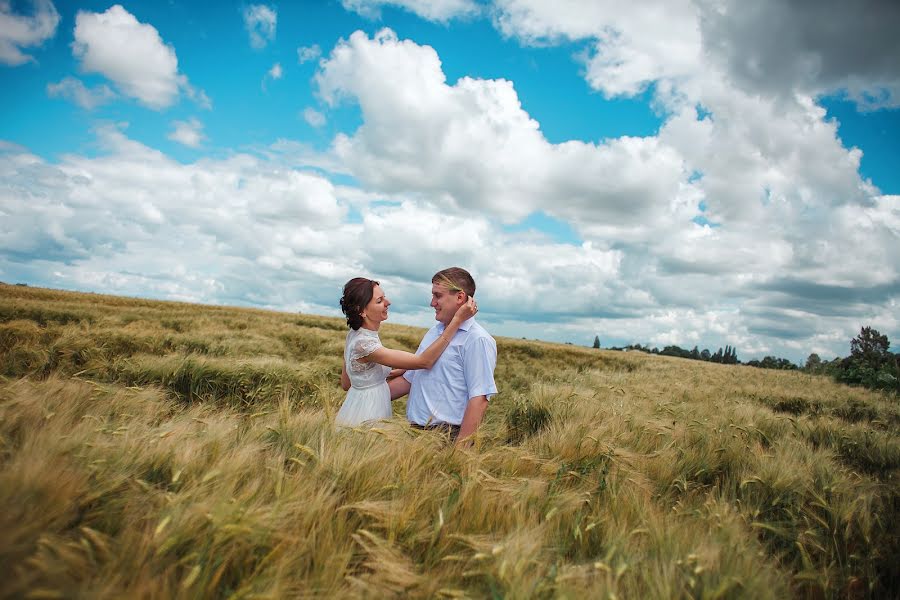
453,395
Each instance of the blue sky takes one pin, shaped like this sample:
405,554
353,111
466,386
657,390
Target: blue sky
659,174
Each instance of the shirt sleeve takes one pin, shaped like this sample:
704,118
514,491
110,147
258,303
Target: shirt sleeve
479,363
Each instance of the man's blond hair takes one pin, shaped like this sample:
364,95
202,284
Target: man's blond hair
456,279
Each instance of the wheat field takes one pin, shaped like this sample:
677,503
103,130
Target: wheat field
167,450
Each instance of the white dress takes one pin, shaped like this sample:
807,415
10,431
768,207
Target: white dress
369,398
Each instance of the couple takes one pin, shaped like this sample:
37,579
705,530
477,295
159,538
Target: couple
449,379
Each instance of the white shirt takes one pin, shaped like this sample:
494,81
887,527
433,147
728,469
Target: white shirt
463,371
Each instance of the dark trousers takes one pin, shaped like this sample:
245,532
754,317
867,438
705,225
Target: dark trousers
447,428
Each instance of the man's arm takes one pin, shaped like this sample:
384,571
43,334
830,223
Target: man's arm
479,362
471,418
399,387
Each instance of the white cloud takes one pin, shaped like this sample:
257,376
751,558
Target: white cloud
784,47
313,117
260,21
25,31
246,230
74,90
769,174
129,217
421,134
189,133
308,53
772,48
633,44
132,55
433,10
275,72
744,221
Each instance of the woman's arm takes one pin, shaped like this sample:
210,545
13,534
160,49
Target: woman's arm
345,379
399,359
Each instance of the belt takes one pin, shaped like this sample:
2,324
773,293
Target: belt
366,387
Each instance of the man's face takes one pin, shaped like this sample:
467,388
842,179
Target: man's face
445,302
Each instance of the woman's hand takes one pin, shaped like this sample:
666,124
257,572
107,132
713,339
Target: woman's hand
395,373
467,310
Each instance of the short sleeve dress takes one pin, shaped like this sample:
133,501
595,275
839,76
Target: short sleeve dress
369,398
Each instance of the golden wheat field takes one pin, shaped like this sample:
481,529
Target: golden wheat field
166,450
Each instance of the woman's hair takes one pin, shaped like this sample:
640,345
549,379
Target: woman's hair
357,295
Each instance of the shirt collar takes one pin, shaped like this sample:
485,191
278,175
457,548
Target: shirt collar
464,326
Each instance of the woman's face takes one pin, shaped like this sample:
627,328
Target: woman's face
376,310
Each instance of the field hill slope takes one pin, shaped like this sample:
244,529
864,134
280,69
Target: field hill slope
159,449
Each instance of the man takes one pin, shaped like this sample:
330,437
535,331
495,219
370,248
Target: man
454,393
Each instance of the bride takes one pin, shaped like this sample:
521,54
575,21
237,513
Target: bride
367,363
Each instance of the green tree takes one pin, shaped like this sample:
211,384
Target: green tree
596,341
870,347
870,363
813,363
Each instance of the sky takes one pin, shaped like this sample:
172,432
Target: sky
699,173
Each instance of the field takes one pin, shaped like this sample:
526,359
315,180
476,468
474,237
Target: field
166,450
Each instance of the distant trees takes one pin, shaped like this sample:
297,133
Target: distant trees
727,356
870,364
772,362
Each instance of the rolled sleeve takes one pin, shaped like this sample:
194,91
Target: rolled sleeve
478,366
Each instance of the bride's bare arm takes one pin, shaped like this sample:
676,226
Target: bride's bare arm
345,379
399,359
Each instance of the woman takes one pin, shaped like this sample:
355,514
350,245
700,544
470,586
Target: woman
367,363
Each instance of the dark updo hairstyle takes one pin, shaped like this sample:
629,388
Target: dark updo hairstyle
357,295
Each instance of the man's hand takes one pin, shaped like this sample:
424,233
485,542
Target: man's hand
471,419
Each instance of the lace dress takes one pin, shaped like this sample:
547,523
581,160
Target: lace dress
369,398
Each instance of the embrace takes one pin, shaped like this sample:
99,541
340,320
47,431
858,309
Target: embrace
449,379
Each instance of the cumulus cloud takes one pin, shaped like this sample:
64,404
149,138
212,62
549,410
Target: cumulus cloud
133,215
744,221
132,55
811,47
770,48
631,46
188,133
25,31
422,134
313,117
244,227
308,53
260,21
74,90
732,194
433,10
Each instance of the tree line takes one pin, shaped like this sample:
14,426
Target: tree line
727,356
871,364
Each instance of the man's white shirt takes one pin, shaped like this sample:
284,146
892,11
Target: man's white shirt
463,371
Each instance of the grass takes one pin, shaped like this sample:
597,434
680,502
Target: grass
152,449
